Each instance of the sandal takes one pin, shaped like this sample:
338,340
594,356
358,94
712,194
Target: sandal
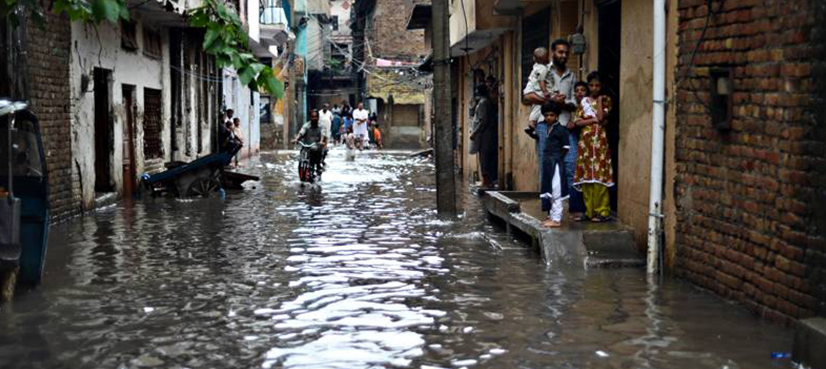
579,218
600,219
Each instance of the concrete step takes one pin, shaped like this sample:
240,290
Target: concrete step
609,244
810,343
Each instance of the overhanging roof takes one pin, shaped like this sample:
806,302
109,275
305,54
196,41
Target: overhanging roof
420,16
475,41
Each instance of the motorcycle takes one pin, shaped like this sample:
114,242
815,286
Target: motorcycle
307,169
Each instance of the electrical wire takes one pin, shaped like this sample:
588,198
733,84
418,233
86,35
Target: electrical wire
690,65
360,64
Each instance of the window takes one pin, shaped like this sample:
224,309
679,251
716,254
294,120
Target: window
536,31
128,35
334,22
152,123
152,46
721,98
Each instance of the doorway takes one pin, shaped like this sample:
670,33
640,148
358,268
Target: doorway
129,162
103,131
610,23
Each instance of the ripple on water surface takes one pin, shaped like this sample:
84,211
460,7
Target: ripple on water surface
354,273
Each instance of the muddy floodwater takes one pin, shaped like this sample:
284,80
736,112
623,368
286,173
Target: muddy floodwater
360,274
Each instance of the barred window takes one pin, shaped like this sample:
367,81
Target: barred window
536,31
152,123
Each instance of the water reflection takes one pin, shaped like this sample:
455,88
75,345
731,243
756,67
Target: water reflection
360,274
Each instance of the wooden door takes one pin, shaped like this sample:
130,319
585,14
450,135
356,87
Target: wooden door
129,164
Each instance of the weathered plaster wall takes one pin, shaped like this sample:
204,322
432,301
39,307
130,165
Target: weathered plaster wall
669,202
342,11
460,12
102,49
636,77
244,103
316,45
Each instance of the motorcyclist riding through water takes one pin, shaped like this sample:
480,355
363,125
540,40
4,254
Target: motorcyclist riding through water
312,133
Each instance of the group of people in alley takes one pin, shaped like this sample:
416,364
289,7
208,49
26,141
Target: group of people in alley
357,129
568,120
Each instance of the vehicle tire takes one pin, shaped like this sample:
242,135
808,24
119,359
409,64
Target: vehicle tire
303,169
203,187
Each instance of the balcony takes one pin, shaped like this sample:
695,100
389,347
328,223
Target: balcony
274,24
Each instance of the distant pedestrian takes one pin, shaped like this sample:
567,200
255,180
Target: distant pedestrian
239,136
325,120
553,184
335,127
347,121
237,131
360,117
350,142
377,136
228,116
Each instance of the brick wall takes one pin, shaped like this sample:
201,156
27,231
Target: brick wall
751,201
388,34
48,66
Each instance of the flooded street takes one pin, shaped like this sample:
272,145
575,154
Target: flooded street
360,275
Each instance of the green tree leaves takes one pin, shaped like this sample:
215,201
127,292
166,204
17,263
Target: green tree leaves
225,37
226,40
87,11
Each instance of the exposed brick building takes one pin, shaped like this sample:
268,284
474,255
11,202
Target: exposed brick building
750,199
45,84
388,33
398,88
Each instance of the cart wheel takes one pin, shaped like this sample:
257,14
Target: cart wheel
204,187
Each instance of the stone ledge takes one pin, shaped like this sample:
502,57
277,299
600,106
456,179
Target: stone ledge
587,244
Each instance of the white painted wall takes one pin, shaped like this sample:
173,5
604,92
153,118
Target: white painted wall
237,97
341,9
102,49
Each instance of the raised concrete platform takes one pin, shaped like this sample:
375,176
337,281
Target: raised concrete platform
810,343
609,244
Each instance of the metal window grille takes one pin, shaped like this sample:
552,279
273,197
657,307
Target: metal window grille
152,123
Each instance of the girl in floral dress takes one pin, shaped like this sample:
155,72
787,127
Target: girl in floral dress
594,174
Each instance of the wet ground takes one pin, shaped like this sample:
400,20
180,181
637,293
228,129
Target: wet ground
360,275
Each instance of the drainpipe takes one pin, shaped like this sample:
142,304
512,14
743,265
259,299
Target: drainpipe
657,145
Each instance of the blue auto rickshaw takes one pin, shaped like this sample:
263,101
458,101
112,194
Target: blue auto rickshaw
24,198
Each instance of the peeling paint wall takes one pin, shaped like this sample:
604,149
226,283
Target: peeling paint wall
245,104
636,95
101,48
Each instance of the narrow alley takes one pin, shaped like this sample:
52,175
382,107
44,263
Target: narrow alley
357,275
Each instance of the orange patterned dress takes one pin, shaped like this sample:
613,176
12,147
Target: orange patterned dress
593,163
